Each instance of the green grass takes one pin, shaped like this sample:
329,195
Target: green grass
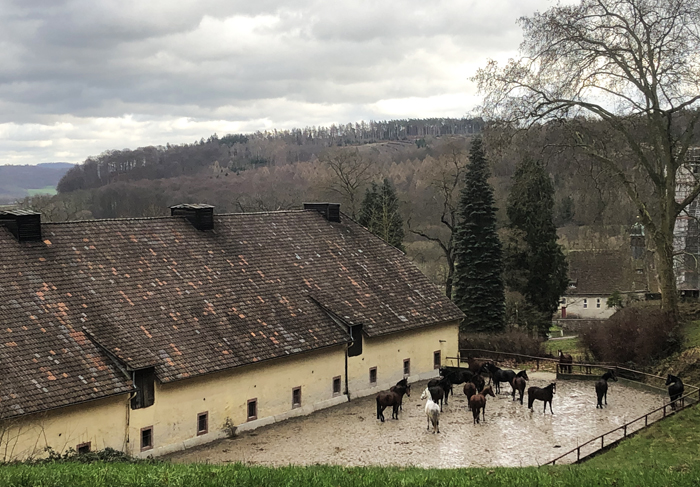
568,345
45,190
691,331
673,443
127,475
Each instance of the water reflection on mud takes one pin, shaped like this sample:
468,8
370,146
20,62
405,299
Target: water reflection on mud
512,435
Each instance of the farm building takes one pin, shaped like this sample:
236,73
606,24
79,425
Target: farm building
151,335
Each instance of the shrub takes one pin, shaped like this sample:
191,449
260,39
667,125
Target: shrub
633,335
513,341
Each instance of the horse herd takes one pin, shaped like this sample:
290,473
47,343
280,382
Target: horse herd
475,388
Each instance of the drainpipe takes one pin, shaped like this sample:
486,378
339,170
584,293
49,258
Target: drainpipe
347,391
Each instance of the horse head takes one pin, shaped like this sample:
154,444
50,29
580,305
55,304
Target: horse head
553,385
613,375
487,391
403,382
408,389
671,379
523,374
426,394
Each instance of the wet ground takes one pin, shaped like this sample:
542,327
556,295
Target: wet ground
512,435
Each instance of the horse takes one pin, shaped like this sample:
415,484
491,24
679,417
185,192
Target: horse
601,388
565,361
478,381
499,375
444,384
518,383
432,411
542,394
478,366
437,394
478,403
456,375
675,389
403,382
393,399
469,391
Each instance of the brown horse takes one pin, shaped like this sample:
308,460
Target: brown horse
469,391
393,399
565,361
478,403
402,383
443,383
541,394
518,383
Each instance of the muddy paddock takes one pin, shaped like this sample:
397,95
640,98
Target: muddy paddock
512,435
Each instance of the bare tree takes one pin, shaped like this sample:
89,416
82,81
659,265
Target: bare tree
352,171
634,65
446,182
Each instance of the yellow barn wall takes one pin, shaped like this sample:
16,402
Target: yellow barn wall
224,396
102,423
387,353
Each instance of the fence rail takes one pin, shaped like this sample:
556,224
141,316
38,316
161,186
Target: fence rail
566,371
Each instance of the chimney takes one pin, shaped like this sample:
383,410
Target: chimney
330,211
25,225
200,216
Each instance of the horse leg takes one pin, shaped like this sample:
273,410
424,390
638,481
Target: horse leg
550,407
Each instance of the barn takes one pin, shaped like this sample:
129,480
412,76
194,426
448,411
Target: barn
150,335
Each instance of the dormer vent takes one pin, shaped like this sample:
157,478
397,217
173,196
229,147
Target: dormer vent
200,216
330,211
25,225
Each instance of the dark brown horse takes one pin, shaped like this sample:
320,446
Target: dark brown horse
393,399
469,391
478,403
601,388
477,366
565,361
402,383
541,394
675,389
443,383
518,384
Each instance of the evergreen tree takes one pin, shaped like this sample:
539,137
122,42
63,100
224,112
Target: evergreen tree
379,212
478,287
535,264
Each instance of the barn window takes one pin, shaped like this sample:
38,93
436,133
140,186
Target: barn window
336,386
355,348
83,448
147,438
597,303
202,423
585,303
296,397
373,375
437,362
252,409
144,382
407,366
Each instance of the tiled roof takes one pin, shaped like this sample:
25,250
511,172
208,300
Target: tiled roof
159,293
605,271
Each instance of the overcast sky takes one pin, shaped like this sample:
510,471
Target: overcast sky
78,77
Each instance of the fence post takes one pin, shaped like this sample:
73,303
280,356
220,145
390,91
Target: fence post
625,433
578,454
664,411
538,364
602,441
646,420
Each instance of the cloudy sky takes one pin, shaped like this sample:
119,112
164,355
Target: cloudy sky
78,77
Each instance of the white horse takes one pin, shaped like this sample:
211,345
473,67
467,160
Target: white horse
432,411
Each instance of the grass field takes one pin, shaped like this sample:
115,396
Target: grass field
45,190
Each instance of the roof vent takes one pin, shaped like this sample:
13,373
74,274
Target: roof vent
200,216
25,225
330,211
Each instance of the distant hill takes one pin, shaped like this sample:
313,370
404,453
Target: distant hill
16,182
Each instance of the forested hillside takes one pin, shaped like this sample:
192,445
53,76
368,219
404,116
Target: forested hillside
425,160
16,182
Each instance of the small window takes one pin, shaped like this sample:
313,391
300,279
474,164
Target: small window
597,303
336,386
437,362
202,423
144,382
147,438
585,303
296,397
407,366
355,348
252,409
83,448
373,375
563,300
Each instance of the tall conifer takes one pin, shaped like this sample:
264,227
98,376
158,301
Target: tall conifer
478,287
380,214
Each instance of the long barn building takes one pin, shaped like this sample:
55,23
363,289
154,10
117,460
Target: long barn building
151,335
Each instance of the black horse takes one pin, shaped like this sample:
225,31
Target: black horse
518,384
443,383
541,394
675,389
601,387
402,383
565,361
499,375
393,399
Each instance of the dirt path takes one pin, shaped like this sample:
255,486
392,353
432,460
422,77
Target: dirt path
512,435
